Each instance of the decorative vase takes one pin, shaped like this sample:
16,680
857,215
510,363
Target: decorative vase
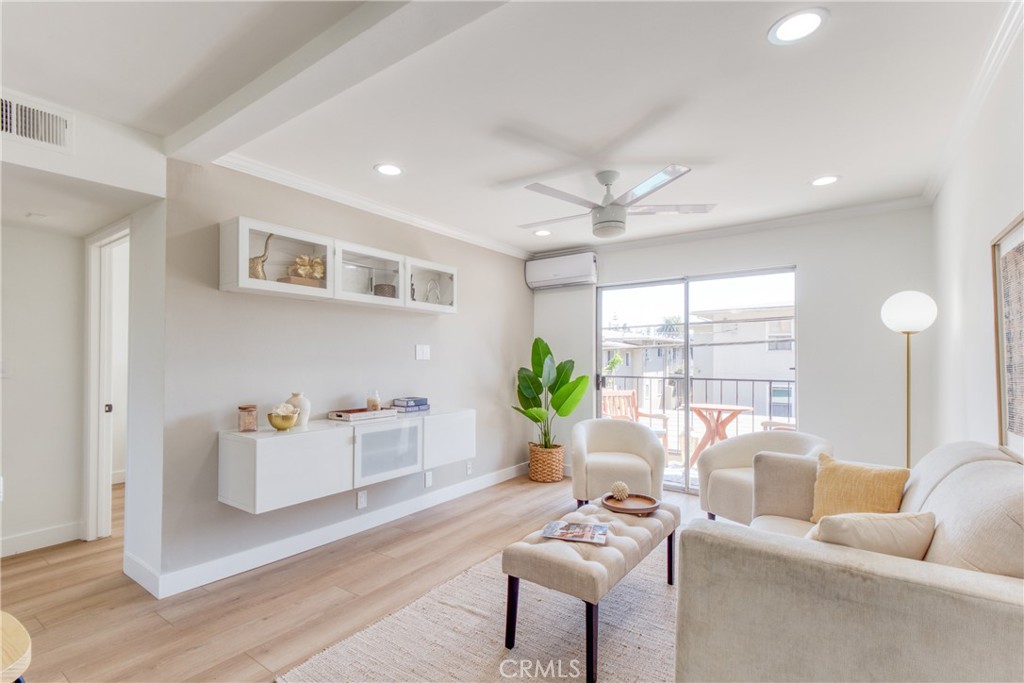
303,405
547,464
256,271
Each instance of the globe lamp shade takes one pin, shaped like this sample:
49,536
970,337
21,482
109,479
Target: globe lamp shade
909,312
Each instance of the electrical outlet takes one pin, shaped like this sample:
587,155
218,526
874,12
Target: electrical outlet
360,500
469,468
428,479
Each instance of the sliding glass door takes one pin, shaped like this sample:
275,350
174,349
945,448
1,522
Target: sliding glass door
699,360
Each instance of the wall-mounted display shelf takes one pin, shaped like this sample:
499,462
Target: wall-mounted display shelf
431,286
366,275
309,266
265,258
267,470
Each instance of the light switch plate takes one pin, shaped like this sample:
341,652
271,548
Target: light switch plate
423,352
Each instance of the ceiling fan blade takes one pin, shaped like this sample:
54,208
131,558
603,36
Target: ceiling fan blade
550,221
652,184
564,196
655,209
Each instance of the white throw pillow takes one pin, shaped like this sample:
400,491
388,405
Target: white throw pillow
903,534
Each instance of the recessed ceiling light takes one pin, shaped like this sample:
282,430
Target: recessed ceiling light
387,169
541,233
824,180
797,26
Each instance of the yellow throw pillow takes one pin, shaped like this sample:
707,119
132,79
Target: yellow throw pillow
845,487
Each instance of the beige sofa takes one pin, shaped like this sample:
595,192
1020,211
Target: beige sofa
761,603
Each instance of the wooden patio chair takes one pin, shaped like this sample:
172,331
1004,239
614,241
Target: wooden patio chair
622,405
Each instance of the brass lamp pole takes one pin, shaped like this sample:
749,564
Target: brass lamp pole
908,313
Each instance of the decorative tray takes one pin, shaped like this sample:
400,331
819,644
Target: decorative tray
361,414
635,504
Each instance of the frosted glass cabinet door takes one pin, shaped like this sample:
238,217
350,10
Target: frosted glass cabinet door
389,450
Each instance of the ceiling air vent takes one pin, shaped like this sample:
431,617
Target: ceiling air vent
32,123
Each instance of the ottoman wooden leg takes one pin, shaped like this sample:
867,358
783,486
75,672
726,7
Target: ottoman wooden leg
511,611
581,503
591,642
671,558
711,515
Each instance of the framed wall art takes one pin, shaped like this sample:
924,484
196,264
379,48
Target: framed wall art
1008,281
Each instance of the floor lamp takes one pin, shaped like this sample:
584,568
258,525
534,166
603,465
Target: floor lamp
908,313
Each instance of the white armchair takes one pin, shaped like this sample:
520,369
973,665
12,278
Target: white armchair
606,450
727,469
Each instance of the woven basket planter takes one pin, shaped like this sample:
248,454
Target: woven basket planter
546,464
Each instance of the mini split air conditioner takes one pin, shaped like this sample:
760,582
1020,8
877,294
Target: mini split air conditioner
562,271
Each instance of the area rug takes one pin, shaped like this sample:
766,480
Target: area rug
456,633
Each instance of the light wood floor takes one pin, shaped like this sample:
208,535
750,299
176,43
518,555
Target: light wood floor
90,622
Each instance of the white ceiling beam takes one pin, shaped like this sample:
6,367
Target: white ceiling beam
362,44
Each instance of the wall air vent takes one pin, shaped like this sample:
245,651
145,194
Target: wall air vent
26,122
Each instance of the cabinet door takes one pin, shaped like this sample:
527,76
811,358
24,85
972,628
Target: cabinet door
389,450
448,438
295,468
430,286
368,276
264,258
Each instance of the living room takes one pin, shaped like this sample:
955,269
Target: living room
927,140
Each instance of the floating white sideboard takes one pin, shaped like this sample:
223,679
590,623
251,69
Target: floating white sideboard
337,271
266,470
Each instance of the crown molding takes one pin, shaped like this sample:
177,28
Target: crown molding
242,164
999,49
905,204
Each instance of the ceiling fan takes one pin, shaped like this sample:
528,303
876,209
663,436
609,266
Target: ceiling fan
609,217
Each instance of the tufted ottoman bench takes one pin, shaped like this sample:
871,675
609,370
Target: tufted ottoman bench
585,570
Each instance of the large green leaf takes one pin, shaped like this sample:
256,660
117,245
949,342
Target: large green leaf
538,415
569,396
563,373
550,374
530,384
541,351
526,401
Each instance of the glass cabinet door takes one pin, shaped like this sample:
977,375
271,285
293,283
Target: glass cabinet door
386,451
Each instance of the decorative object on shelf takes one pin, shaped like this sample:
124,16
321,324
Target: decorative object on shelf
283,417
433,289
362,414
308,266
373,400
256,271
247,418
908,313
410,404
620,491
545,390
412,288
385,290
301,404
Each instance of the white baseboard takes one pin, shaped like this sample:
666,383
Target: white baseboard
117,477
40,538
171,583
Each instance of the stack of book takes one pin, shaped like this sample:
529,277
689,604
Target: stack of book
410,404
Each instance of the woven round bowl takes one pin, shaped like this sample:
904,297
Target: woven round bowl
384,290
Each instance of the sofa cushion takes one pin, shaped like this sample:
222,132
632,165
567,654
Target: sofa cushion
781,525
903,534
731,493
847,487
979,513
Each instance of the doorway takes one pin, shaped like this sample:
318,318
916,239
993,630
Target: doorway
107,387
701,359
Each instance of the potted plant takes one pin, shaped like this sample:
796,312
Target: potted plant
545,390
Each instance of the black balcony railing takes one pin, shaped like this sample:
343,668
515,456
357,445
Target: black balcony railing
769,399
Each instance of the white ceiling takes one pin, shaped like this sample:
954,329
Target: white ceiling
545,91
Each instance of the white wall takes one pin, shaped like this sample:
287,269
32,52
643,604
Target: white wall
43,365
850,367
224,348
983,194
119,286
104,152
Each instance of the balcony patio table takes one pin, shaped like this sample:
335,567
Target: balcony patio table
716,417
